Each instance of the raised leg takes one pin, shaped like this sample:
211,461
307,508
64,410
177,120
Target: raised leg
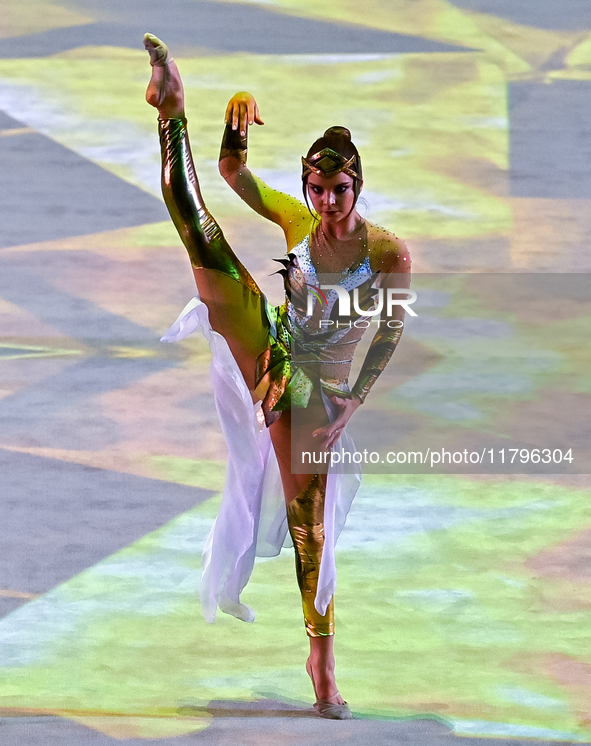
236,305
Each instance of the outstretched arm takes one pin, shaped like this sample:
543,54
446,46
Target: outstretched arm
283,209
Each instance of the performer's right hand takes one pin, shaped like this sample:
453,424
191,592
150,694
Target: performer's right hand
241,111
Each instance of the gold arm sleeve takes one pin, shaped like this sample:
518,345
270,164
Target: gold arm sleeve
389,255
380,351
234,145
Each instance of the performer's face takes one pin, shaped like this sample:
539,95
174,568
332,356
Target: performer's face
333,198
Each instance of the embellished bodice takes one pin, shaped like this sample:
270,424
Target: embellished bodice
315,332
323,333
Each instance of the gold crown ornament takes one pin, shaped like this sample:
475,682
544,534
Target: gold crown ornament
327,162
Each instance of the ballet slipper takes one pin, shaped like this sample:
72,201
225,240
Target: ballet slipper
159,60
157,50
331,711
165,89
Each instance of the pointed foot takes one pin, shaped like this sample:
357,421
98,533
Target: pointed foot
157,50
165,89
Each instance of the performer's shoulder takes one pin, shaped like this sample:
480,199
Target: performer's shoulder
387,252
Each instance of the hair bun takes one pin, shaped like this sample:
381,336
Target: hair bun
339,131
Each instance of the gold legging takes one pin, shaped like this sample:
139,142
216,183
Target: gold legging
305,518
237,311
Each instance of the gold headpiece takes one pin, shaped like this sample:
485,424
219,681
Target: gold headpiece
327,162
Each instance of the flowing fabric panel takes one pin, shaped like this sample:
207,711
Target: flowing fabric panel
252,519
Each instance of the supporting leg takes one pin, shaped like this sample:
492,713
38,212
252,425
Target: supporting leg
305,518
304,497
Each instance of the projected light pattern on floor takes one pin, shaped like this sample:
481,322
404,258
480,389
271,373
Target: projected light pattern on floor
476,588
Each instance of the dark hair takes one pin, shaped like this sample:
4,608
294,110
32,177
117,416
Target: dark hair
337,139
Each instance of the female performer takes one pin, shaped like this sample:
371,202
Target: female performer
294,359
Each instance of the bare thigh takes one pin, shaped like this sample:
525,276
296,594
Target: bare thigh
291,435
238,314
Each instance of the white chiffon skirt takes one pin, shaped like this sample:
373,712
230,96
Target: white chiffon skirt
252,518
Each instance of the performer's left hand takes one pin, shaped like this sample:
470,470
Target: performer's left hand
332,432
